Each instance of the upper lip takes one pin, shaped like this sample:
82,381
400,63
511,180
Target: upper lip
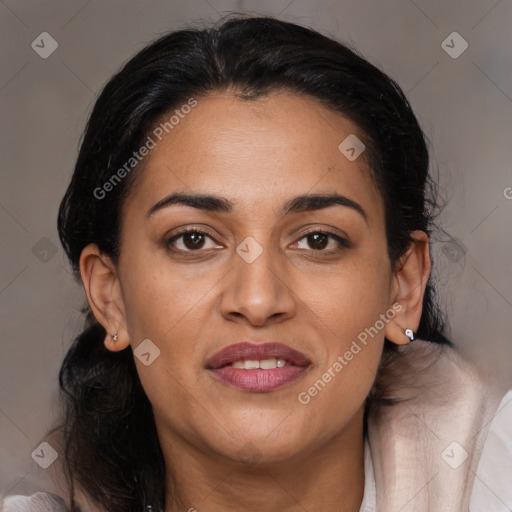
256,352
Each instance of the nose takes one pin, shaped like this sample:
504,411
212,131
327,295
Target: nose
258,293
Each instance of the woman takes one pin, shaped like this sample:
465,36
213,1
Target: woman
250,216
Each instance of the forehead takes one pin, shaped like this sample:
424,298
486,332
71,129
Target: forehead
255,152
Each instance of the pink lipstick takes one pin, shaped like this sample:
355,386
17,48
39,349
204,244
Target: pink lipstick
258,367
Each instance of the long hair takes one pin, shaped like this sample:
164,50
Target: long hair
111,445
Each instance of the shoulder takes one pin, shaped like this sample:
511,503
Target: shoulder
442,410
492,490
37,502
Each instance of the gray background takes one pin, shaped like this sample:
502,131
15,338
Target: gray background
464,105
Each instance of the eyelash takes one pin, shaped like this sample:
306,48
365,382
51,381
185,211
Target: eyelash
342,242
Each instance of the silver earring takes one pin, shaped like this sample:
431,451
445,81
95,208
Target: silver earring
410,334
114,336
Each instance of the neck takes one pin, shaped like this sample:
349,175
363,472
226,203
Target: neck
327,477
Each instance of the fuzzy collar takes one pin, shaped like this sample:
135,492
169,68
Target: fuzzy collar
426,447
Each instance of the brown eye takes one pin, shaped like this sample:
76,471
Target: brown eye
318,241
323,242
191,240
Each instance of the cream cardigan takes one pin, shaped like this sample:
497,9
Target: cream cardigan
426,449
423,452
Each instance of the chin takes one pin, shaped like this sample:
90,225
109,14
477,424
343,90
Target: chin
262,448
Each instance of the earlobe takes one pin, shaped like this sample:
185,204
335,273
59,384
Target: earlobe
408,288
101,285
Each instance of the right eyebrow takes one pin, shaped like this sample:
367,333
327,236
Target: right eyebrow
201,201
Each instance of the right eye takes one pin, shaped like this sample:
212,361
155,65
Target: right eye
191,240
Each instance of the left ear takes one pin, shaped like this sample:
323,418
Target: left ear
408,285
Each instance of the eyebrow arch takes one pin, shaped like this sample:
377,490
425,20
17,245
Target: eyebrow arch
302,203
200,201
307,202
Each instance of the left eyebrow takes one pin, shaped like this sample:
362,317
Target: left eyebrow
298,204
307,202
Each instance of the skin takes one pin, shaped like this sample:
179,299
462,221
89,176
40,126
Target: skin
229,449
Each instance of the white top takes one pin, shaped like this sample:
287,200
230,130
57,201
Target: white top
38,502
370,496
492,490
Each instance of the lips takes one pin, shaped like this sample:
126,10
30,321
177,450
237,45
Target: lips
258,380
256,352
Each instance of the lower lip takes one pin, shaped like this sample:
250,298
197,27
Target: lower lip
259,380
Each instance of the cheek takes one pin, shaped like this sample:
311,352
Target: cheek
158,312
160,298
170,309
350,297
348,306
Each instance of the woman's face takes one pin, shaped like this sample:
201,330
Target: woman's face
257,274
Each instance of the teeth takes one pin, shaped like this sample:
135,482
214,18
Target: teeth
268,364
264,364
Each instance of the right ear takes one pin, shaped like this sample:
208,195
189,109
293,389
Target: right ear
103,291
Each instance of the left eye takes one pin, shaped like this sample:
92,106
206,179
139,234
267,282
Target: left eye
321,240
